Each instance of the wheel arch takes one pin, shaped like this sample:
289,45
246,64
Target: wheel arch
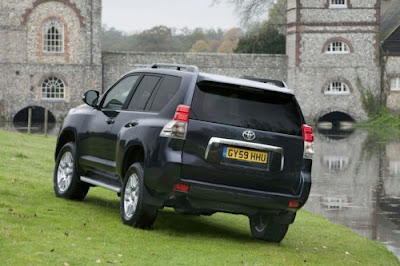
135,153
66,136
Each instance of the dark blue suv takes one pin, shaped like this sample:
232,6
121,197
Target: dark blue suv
169,136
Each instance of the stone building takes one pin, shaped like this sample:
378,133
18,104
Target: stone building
50,54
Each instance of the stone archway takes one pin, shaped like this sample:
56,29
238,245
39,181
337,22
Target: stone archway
336,124
20,120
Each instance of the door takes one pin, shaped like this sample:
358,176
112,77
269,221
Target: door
97,146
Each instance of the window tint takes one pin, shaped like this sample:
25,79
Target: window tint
116,97
168,88
246,107
143,92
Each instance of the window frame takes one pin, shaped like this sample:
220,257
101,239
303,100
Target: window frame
397,86
338,6
345,49
47,26
345,88
133,92
128,97
63,88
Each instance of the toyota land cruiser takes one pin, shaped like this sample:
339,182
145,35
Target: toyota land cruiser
169,136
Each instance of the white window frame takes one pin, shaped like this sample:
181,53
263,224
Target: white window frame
53,42
53,88
395,84
338,47
338,4
337,88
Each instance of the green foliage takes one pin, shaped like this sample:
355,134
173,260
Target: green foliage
164,39
269,36
36,228
383,126
371,102
264,39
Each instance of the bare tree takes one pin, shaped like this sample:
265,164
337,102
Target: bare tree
249,9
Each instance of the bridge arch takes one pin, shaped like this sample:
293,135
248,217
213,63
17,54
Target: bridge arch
37,115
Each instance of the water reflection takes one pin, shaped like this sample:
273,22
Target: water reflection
356,182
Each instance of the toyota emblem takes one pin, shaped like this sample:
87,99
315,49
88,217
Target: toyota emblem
249,135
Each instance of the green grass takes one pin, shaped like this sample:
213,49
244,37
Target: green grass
38,228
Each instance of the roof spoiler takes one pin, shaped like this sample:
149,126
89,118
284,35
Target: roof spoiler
275,82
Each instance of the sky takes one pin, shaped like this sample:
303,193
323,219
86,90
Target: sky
138,15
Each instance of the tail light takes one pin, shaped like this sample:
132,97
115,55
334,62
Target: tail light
308,141
181,187
177,128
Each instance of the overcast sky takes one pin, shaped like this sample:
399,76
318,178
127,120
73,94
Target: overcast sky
138,15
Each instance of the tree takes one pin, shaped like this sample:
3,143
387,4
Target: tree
249,9
156,39
200,46
265,39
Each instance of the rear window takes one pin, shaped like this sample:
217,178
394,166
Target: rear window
246,107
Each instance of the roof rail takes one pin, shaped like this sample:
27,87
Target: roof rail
188,68
275,82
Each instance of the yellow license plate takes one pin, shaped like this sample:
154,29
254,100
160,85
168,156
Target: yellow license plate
245,155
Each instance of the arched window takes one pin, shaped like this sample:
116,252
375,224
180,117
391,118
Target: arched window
337,88
337,47
53,88
338,4
53,36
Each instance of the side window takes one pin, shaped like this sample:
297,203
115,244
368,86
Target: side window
143,92
168,88
116,97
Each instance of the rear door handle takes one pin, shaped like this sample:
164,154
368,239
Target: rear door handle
132,124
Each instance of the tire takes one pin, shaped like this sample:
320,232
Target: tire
263,227
133,210
66,182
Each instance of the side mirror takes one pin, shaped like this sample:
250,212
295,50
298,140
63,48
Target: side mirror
91,97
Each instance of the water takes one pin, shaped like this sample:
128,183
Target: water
356,182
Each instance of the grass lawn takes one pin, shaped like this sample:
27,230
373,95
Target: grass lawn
38,228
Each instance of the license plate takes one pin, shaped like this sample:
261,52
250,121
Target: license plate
245,155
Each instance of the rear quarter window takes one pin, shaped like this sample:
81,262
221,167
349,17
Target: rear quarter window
168,88
246,107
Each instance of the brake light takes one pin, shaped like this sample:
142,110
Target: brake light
308,141
181,187
294,204
182,113
177,128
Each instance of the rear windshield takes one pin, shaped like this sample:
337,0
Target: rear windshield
246,107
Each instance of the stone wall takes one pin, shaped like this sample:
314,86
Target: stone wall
24,65
235,65
21,86
312,26
392,71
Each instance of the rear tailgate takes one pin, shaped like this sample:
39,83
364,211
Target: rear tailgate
219,147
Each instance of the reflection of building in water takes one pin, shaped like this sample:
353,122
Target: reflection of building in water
344,184
334,162
388,198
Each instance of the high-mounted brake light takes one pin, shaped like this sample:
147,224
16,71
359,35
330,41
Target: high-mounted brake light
308,141
177,128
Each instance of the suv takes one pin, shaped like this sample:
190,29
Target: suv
169,136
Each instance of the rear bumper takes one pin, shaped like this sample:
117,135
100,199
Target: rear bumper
243,201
